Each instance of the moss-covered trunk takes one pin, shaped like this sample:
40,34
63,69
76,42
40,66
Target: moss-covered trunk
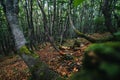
39,70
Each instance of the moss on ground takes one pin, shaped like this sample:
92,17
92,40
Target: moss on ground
101,62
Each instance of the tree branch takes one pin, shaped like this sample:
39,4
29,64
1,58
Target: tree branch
87,37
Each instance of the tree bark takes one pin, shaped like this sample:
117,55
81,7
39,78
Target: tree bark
45,22
92,40
39,70
107,12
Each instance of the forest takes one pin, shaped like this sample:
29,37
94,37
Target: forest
59,39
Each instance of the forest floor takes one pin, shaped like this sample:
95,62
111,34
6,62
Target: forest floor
14,68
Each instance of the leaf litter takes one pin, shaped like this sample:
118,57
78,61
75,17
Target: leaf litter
14,68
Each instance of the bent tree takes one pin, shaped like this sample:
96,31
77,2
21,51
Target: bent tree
39,70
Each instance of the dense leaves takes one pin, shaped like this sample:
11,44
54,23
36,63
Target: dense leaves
78,2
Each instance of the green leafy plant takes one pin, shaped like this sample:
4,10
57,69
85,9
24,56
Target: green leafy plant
77,2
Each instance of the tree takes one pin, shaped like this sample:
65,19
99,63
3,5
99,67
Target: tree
107,11
39,70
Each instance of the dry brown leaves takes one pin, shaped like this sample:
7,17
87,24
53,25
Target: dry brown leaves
60,65
13,68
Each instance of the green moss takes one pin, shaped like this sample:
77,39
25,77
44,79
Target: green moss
25,50
101,62
78,32
110,69
108,46
35,55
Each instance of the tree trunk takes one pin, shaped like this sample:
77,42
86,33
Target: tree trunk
39,70
107,12
46,28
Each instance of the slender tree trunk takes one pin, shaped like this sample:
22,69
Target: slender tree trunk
46,28
107,12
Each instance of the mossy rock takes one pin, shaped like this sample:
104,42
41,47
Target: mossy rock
109,51
101,62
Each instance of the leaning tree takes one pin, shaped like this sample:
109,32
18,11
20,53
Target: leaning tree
39,70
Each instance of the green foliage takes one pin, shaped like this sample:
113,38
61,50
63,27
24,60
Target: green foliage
101,62
99,20
62,1
77,2
117,35
117,7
